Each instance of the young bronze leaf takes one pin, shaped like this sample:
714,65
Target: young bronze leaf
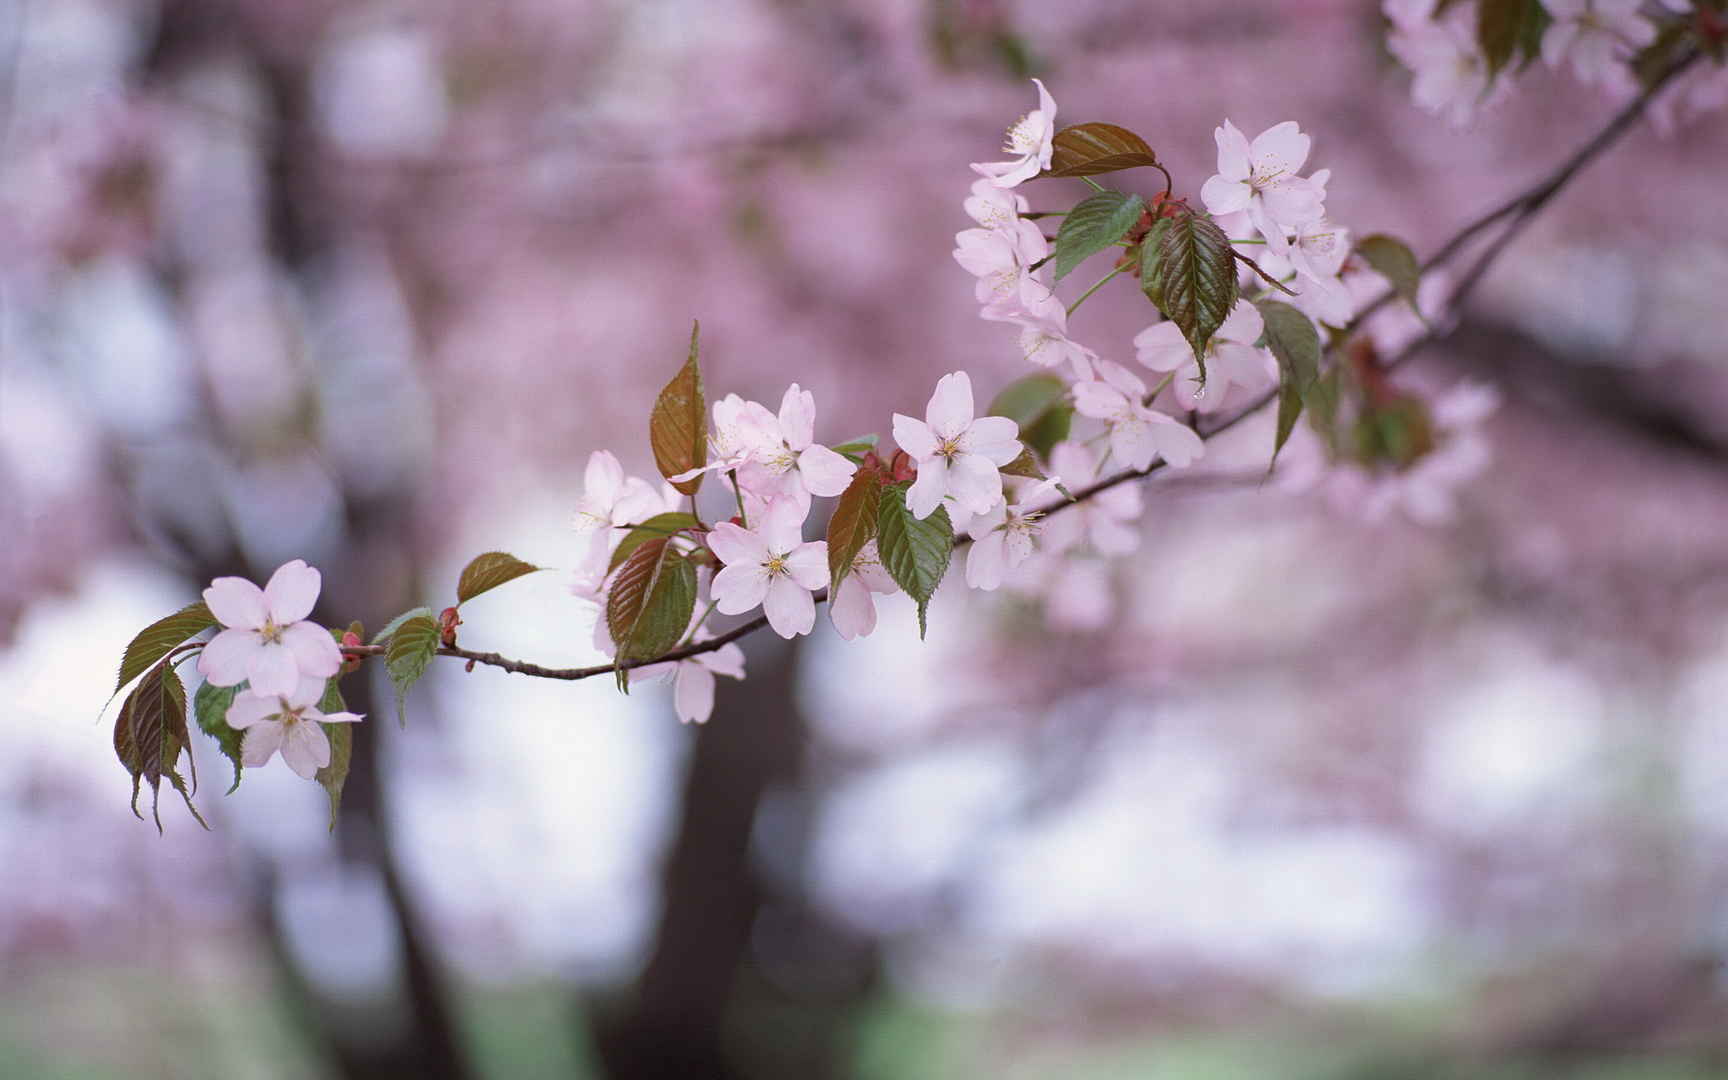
1093,226
1094,149
154,716
1393,260
489,571
1039,404
154,641
915,553
853,524
656,526
1296,344
678,428
1188,270
332,776
210,707
413,643
651,601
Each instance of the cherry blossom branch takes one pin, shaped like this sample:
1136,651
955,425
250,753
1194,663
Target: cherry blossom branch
1520,209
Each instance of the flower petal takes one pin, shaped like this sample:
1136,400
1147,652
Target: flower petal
975,483
789,608
984,563
272,669
225,660
316,653
237,603
950,408
808,564
1225,196
261,741
926,492
292,591
727,660
914,437
853,609
693,694
734,545
826,473
249,708
1232,151
1161,347
1281,149
798,417
305,748
994,437
739,588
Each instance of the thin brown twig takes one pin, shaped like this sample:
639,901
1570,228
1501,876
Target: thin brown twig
1520,209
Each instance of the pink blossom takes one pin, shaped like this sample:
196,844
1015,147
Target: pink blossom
287,722
1044,338
958,455
693,678
993,206
1003,537
1001,260
1029,140
1138,433
770,566
853,605
1449,70
1597,36
787,461
1260,177
1104,522
268,641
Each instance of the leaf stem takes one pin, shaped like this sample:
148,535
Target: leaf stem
1099,284
743,519
1095,185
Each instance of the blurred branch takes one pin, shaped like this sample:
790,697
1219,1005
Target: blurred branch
1518,211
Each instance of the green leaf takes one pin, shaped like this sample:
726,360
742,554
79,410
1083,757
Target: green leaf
915,553
156,640
1188,269
1094,225
1506,28
489,571
210,706
1094,149
852,525
1393,260
1039,404
150,736
650,603
857,448
413,643
395,624
1294,341
334,775
656,526
1024,465
678,428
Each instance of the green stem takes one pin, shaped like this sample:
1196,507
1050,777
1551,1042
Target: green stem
1156,390
1036,214
697,625
1095,185
1099,284
743,519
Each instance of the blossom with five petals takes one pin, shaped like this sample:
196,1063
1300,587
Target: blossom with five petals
1260,177
286,722
1598,36
770,565
1137,433
1231,358
1002,538
787,461
268,641
958,455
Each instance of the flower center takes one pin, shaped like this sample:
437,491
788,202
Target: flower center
949,448
776,566
270,632
1023,136
289,716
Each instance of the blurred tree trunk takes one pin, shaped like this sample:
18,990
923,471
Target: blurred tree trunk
733,889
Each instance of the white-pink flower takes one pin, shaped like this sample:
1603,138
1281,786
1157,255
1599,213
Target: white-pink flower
1138,433
1597,35
1029,140
959,456
1002,259
1003,537
1231,359
788,462
994,206
268,641
693,679
852,608
1105,521
609,501
287,722
1044,338
1260,177
1450,74
770,565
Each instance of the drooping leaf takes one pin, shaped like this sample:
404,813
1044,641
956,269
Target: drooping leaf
332,776
852,525
650,603
154,641
1188,269
1094,225
395,624
150,736
915,553
1039,404
488,571
1094,149
657,526
413,643
1507,28
210,706
1296,344
1393,260
678,427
